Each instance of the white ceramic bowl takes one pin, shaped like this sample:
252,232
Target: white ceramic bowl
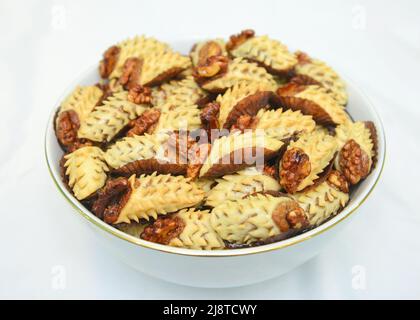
224,268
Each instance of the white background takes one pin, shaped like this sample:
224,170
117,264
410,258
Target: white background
44,45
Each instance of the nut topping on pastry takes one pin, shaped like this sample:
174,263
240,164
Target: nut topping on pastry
238,39
111,199
354,162
139,94
289,215
337,180
109,61
144,123
295,166
213,66
164,229
131,72
209,117
67,126
256,133
209,49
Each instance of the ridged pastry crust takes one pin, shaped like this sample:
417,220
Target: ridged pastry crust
326,76
358,132
316,101
238,92
158,194
236,186
81,100
237,151
86,171
357,144
137,47
161,66
185,117
197,232
105,121
280,124
239,70
247,220
321,202
320,149
141,154
272,54
185,92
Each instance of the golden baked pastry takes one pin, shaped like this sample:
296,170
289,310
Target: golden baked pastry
188,228
257,217
86,171
239,143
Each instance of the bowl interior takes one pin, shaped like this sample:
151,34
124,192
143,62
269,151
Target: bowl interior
359,107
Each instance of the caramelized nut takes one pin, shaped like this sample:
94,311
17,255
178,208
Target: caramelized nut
295,166
354,162
109,61
214,65
289,215
131,72
144,123
164,229
237,39
338,181
139,94
209,49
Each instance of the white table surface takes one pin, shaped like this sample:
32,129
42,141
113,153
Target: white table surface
46,44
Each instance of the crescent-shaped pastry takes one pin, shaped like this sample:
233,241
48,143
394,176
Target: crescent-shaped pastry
137,47
305,159
357,149
315,101
325,200
158,194
188,228
271,54
238,70
162,66
105,121
316,71
183,117
256,218
143,154
244,98
237,151
283,124
82,100
236,186
86,171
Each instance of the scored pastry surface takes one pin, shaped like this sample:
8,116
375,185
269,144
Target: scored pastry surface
225,146
134,148
86,170
321,202
326,76
235,94
320,148
198,232
236,186
239,70
280,124
158,194
269,52
247,220
105,121
81,100
137,47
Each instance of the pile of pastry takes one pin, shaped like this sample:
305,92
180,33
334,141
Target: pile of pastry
240,143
